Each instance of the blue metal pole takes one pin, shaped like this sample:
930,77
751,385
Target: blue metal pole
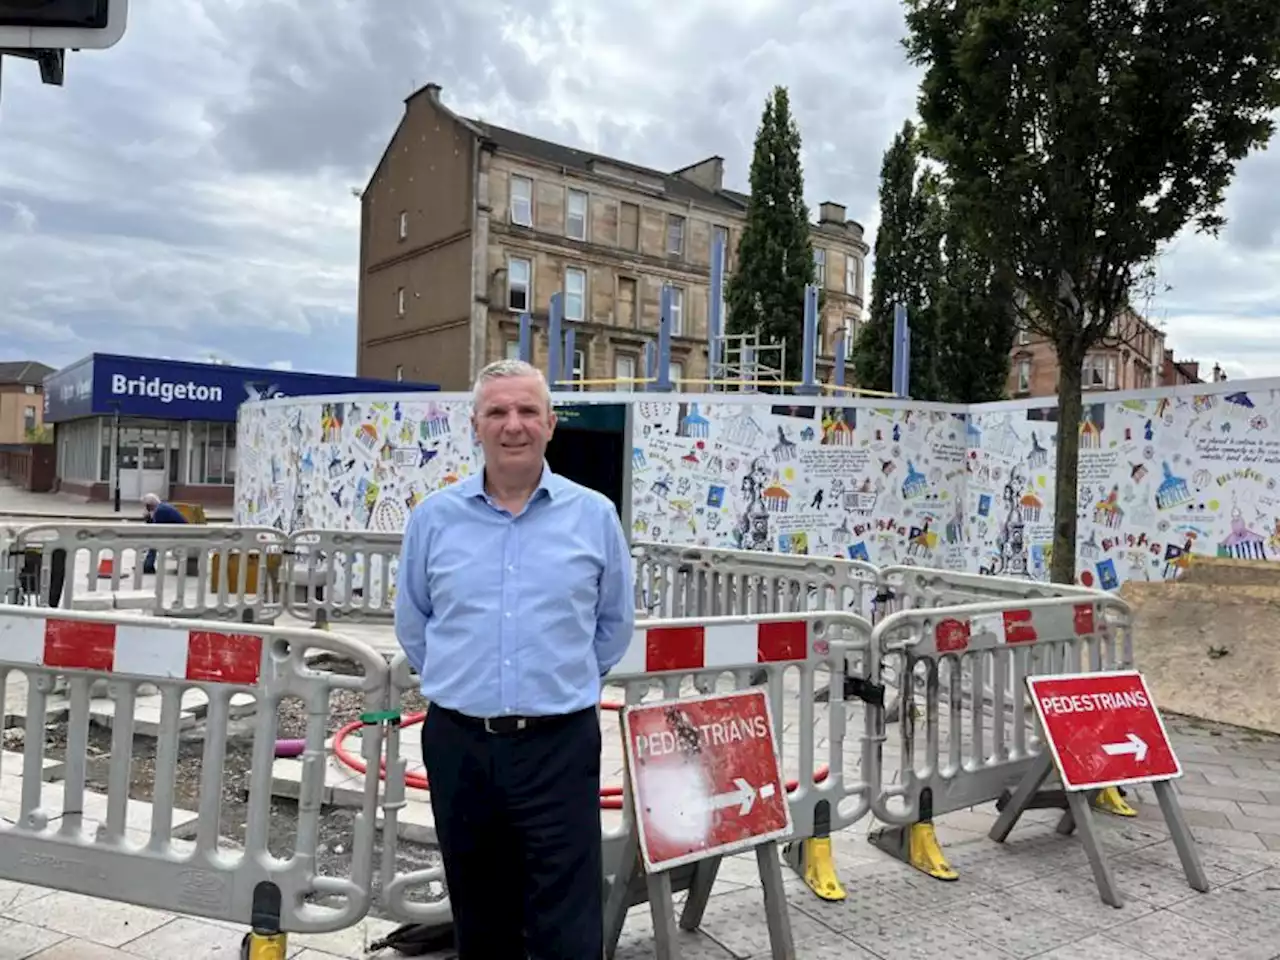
554,345
569,337
838,370
715,312
526,338
808,359
664,341
899,355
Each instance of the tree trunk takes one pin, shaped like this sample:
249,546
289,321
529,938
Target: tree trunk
1066,488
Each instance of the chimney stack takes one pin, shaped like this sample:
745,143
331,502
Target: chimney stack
831,214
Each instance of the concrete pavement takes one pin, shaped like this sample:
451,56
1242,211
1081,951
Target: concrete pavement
18,506
1033,897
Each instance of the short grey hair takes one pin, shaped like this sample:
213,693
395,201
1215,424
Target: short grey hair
150,500
501,369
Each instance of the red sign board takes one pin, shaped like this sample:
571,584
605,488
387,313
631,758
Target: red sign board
706,778
1104,729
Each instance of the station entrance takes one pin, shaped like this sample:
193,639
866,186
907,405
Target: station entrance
589,447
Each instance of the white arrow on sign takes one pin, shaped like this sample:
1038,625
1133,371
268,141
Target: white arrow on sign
744,798
1133,744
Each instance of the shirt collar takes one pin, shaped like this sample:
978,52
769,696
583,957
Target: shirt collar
549,483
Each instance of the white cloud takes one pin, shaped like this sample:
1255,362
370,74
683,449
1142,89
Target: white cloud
188,192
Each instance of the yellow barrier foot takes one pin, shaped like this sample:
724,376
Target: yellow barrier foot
924,852
820,869
264,946
1110,801
812,860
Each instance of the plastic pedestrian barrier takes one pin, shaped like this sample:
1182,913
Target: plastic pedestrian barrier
825,762
978,737
67,837
170,570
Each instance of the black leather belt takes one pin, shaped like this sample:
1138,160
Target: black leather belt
507,724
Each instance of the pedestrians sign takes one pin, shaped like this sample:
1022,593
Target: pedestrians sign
1103,729
706,776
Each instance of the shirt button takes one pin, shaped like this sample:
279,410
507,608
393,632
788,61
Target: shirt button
511,568
506,663
507,614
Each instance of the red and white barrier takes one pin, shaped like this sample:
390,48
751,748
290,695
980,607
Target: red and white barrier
166,653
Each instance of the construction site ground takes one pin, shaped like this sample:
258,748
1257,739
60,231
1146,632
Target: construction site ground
1032,897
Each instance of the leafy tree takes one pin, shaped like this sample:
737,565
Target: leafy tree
1079,137
765,294
908,262
976,322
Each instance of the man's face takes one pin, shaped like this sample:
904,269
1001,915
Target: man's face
514,423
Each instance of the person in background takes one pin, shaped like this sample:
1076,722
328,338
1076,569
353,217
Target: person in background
158,512
514,600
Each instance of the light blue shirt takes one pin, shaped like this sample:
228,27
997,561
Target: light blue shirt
514,615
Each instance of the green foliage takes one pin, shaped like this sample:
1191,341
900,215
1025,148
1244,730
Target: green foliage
765,294
1078,137
40,434
976,325
961,332
899,274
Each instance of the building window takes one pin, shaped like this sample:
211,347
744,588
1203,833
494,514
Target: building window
820,267
721,235
677,310
675,236
519,284
212,454
576,215
1099,372
522,201
400,302
851,275
579,369
624,371
511,351
850,328
677,373
28,419
404,224
575,294
399,372
1024,376
629,235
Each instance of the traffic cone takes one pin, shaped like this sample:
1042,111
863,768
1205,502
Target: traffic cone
105,567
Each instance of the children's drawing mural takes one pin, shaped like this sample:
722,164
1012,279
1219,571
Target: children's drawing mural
1166,475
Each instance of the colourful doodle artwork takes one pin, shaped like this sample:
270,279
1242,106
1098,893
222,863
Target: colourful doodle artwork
1161,478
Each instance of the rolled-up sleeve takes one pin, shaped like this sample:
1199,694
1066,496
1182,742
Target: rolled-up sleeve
616,608
413,599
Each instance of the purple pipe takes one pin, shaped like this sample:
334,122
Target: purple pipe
290,748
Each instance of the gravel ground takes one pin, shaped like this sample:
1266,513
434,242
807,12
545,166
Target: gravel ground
336,823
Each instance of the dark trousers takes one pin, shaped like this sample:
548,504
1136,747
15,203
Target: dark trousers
518,820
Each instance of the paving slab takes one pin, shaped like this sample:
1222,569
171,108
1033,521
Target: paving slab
1030,897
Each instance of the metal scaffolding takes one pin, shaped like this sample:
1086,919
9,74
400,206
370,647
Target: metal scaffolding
740,363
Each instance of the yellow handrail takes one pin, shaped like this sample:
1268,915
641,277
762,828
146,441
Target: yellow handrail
691,381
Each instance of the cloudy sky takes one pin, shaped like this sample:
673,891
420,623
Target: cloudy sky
188,193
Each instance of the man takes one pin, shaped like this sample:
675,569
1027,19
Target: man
514,599
158,512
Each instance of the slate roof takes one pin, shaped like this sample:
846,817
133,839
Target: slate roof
29,373
674,186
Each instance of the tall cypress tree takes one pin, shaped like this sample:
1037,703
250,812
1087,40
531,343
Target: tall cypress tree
908,263
765,294
976,322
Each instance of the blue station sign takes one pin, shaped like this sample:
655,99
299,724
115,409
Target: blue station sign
104,384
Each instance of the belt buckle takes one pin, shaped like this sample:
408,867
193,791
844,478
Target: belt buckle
500,724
